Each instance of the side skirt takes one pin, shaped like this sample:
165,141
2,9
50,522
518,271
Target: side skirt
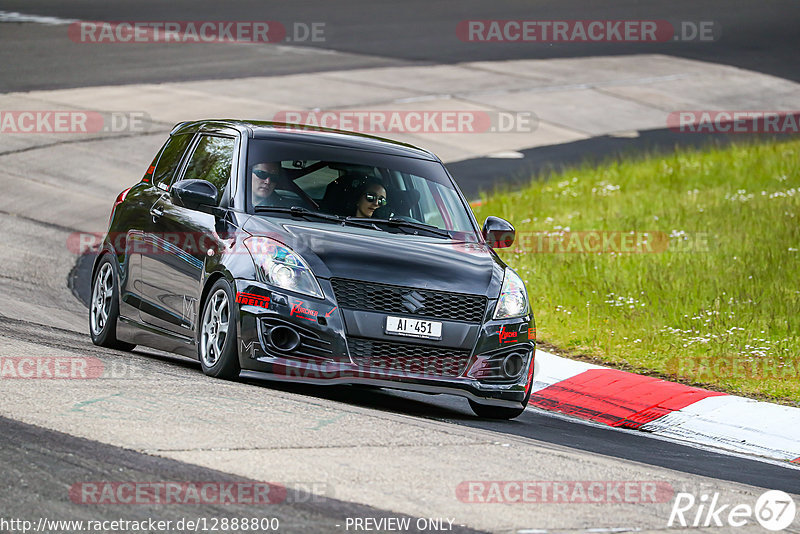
154,337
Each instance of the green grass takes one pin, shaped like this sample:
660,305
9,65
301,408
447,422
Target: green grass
719,307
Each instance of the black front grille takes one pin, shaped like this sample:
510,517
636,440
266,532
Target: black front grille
407,357
386,298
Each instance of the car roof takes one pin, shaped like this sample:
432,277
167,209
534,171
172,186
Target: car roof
308,134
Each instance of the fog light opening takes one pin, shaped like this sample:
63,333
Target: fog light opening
512,365
283,338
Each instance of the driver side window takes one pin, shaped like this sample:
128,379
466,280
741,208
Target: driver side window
212,160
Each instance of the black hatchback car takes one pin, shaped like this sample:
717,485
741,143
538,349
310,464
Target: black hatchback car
266,250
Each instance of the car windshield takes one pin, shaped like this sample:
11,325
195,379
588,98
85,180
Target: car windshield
395,193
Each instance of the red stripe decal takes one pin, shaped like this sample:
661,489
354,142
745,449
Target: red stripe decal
151,169
617,398
795,461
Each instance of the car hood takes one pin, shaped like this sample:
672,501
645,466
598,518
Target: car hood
335,251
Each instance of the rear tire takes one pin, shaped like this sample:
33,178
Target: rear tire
216,342
104,307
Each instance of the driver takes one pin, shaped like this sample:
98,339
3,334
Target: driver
264,177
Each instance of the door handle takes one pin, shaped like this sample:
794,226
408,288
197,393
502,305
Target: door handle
156,210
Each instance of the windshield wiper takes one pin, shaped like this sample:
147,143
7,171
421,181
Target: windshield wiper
405,223
298,211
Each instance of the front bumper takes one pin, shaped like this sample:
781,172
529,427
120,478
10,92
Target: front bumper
336,346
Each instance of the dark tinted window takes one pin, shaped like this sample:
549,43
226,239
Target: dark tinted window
170,157
211,160
335,180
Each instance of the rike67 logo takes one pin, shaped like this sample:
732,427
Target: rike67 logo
774,510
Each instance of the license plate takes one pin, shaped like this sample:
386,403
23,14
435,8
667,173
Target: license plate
403,326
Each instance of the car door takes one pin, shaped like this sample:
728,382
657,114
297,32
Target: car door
173,263
140,224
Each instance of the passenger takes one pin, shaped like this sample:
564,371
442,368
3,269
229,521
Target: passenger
371,196
264,178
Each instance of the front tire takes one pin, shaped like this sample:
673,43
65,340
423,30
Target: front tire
486,411
217,336
104,308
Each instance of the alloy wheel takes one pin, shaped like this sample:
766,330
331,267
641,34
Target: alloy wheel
215,328
102,293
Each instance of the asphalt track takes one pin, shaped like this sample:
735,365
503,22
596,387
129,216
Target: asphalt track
48,461
534,424
37,464
761,36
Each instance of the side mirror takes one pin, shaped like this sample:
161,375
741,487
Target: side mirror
194,194
498,233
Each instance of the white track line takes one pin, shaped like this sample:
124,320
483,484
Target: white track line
13,16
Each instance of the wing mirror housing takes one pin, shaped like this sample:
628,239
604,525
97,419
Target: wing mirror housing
198,195
498,233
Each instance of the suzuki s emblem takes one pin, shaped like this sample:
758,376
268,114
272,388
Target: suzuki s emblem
413,301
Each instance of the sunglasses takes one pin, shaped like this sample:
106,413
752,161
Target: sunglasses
372,197
265,175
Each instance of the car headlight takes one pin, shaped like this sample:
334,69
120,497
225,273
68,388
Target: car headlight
513,300
280,266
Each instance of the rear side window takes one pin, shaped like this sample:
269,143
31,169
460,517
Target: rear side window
170,158
211,160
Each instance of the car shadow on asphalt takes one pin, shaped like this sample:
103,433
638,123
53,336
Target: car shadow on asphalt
415,404
545,428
